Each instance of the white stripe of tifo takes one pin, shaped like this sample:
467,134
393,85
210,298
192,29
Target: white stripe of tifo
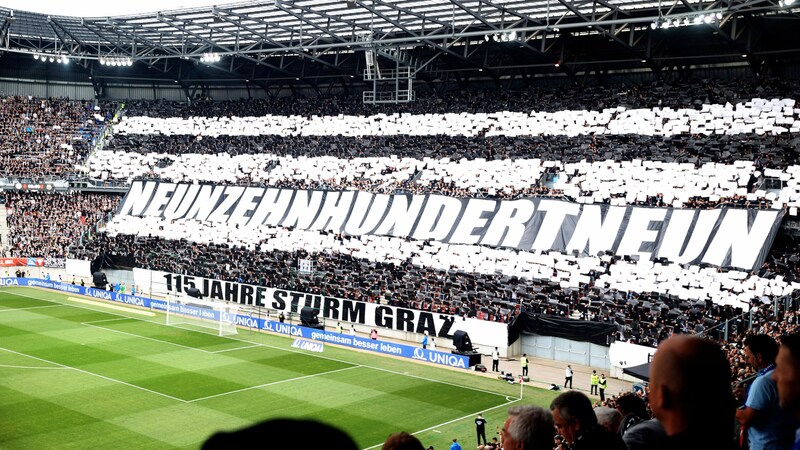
272,384
96,375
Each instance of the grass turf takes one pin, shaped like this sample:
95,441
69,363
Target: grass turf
74,375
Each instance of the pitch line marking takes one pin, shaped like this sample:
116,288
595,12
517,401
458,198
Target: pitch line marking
284,349
116,319
249,388
29,307
468,416
111,306
88,324
234,349
113,380
6,366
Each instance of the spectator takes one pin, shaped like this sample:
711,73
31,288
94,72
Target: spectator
768,428
310,434
455,445
402,441
492,445
690,393
527,427
633,410
644,435
576,421
608,418
787,378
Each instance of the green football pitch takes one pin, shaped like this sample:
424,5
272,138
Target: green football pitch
78,373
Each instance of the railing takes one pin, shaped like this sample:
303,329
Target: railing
87,235
402,73
401,96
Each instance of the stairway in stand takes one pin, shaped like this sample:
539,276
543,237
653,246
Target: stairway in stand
4,232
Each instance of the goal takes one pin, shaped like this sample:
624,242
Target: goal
201,315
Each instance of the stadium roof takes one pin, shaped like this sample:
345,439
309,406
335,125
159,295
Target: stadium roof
312,39
102,9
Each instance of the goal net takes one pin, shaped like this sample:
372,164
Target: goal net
202,315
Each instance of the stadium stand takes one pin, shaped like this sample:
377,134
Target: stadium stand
44,140
589,156
724,164
46,224
618,160
667,162
47,138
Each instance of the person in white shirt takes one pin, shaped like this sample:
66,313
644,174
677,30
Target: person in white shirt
495,360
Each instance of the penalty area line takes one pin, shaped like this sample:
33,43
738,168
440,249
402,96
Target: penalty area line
113,380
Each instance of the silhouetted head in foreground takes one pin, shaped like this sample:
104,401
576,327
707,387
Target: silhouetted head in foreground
303,434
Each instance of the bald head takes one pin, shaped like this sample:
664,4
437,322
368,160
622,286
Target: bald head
690,385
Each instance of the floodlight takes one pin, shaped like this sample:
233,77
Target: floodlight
36,56
52,59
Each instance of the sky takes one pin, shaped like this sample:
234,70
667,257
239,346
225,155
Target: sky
105,8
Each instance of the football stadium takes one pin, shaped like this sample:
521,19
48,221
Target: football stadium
400,224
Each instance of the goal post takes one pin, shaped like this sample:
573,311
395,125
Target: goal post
200,315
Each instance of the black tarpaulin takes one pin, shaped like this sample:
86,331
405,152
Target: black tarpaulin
641,371
576,330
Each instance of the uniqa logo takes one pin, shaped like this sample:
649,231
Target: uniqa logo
419,354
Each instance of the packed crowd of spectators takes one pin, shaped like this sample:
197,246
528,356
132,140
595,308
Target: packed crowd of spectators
641,317
645,317
188,141
774,321
42,138
46,224
686,94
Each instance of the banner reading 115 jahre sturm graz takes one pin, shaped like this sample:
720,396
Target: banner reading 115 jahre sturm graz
726,237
